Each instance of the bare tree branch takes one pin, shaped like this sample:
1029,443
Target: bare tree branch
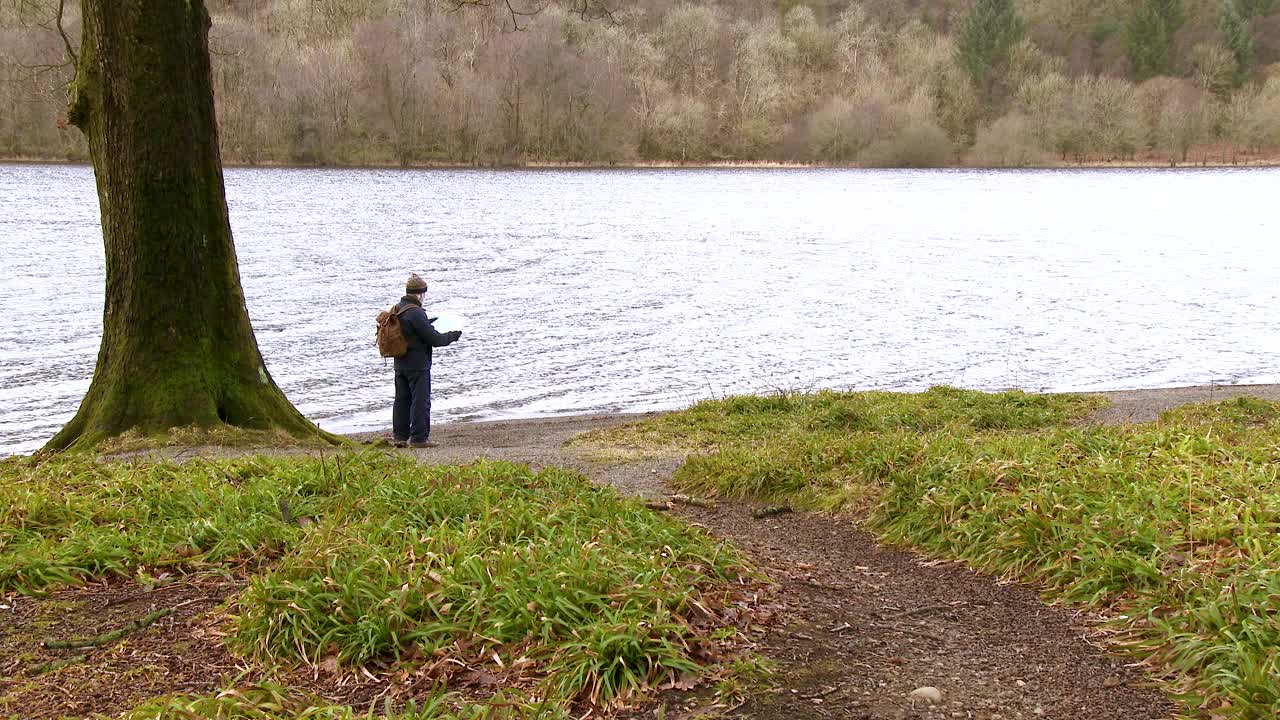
515,13
595,10
51,25
65,40
215,40
40,68
584,9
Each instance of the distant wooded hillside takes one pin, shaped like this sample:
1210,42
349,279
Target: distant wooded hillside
880,83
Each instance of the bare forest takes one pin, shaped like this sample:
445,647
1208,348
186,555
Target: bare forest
876,83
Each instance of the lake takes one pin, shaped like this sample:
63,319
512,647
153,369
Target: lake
629,290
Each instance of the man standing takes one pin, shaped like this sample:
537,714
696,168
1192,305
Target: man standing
411,415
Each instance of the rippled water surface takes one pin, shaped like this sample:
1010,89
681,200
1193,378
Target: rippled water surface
634,290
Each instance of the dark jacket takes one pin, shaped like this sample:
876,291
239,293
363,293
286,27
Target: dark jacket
420,335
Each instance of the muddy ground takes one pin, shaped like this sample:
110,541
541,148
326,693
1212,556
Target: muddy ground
865,625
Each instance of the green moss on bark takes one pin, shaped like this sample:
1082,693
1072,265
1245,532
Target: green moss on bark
177,347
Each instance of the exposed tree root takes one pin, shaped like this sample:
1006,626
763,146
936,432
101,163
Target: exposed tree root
108,637
49,667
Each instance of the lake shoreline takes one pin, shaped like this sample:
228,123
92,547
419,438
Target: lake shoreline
1127,406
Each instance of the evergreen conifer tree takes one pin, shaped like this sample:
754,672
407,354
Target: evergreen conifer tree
1150,34
987,35
1238,39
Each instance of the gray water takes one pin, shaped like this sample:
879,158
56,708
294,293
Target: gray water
631,290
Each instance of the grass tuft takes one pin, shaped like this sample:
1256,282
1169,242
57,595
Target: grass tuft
738,421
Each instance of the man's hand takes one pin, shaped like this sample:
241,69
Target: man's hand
455,335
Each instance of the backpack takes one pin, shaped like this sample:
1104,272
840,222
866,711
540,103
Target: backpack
390,334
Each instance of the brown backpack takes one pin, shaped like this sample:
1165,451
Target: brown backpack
390,335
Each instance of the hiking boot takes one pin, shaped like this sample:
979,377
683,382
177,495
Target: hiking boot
398,443
422,444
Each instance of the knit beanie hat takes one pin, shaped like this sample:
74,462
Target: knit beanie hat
415,285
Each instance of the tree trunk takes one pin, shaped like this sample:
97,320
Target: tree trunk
177,348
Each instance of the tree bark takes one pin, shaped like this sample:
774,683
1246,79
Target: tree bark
177,347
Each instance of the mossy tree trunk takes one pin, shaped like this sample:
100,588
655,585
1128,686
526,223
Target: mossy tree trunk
177,348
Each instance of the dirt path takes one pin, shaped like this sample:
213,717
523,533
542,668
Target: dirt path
541,443
872,624
1146,405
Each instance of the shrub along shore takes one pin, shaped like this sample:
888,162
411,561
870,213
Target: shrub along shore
1168,528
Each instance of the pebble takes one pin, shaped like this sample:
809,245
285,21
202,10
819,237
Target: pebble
1111,682
929,694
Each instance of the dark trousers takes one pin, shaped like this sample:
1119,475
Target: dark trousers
411,414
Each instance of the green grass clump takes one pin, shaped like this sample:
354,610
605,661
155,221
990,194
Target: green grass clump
1170,526
546,568
827,450
68,519
737,421
543,575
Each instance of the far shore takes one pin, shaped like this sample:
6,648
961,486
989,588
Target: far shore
1145,164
